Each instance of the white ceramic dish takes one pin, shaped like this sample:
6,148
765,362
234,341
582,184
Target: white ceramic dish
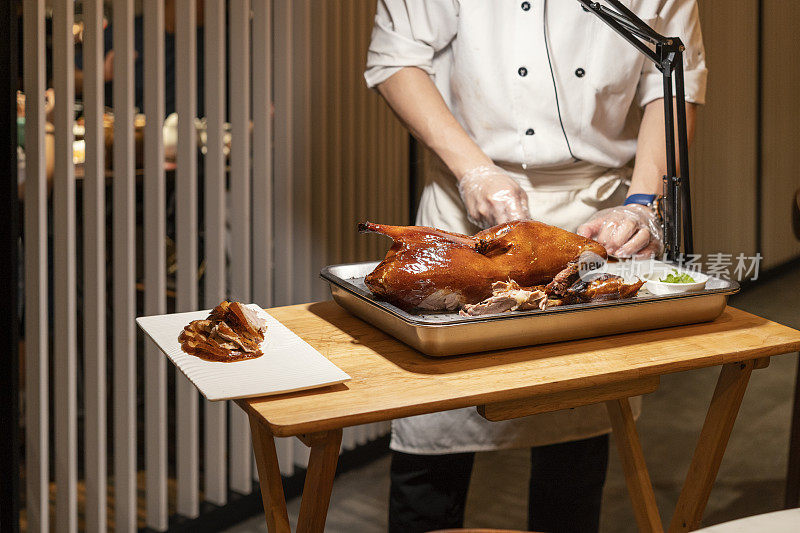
288,364
654,286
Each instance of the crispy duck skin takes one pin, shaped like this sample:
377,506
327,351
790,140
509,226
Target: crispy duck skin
431,269
603,287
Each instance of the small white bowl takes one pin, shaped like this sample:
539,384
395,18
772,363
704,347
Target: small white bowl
662,287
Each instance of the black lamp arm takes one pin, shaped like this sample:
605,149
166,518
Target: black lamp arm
667,55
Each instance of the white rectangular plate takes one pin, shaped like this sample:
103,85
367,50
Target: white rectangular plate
289,363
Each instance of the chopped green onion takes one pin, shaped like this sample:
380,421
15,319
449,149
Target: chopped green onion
677,277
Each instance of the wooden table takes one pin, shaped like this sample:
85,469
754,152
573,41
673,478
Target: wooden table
391,380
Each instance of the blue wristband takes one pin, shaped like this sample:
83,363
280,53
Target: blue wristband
642,199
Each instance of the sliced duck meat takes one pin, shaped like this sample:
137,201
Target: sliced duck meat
245,321
232,332
224,333
506,296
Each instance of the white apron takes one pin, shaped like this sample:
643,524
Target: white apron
565,197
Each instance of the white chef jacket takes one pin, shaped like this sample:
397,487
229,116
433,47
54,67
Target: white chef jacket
488,59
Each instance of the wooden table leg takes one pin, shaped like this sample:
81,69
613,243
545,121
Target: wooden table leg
792,496
636,476
269,476
319,479
731,385
318,484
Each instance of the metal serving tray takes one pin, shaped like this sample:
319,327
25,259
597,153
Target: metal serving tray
452,334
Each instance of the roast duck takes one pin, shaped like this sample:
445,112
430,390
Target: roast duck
231,332
513,266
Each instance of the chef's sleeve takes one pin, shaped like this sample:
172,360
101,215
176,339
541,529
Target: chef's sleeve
408,33
678,18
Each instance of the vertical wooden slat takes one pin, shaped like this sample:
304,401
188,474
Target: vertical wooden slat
94,269
402,166
187,449
284,154
215,431
351,127
239,35
124,271
283,221
36,320
360,141
363,143
374,182
382,196
390,151
64,336
391,163
301,15
334,100
155,282
390,154
383,201
262,153
347,188
399,208
318,153
388,165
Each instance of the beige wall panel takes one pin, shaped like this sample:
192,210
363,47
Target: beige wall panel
780,135
724,154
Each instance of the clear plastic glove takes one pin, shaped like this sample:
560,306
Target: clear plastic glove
492,197
626,231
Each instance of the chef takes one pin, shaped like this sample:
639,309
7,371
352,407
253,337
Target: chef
533,109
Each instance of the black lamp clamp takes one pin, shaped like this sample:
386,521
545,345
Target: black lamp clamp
675,206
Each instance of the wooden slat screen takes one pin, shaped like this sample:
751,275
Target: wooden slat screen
215,432
187,407
241,474
124,274
65,335
296,151
155,269
94,270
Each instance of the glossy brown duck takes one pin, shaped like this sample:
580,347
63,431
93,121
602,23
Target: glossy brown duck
431,269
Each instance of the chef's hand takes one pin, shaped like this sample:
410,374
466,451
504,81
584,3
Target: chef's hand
492,196
626,231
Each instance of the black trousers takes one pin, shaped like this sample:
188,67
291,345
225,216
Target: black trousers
429,492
